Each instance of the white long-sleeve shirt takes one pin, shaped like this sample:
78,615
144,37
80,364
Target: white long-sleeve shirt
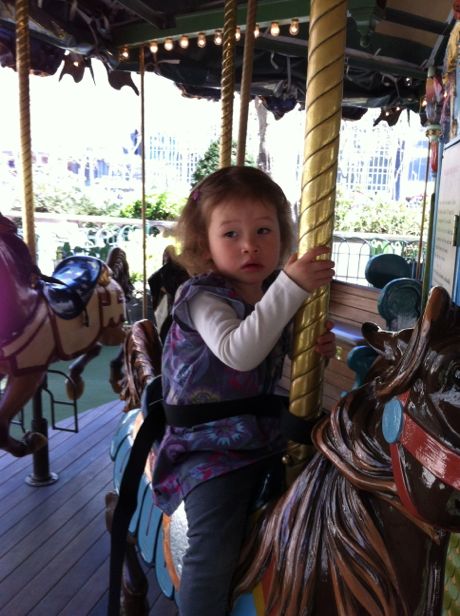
244,344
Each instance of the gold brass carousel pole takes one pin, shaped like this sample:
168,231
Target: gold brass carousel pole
246,79
22,67
144,230
326,50
41,474
227,83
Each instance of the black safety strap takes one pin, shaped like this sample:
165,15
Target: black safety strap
151,429
189,415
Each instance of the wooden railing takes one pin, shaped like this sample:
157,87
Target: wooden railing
350,306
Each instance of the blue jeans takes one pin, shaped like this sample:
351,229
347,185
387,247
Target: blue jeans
217,514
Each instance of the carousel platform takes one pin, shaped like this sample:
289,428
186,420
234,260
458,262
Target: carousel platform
54,546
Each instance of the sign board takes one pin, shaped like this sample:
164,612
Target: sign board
445,250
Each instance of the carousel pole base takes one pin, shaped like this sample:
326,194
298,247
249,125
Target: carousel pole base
41,474
36,482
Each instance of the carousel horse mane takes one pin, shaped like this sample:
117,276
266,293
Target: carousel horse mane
116,260
15,253
323,519
326,523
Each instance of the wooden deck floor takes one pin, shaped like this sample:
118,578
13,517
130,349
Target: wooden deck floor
54,547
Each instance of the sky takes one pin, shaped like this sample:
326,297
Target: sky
68,116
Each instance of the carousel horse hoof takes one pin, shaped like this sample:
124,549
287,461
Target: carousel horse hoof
74,387
115,380
111,500
116,386
34,441
133,603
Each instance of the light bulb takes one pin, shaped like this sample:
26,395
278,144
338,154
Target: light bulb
154,46
183,41
294,27
237,33
125,53
275,28
256,31
218,37
169,44
201,40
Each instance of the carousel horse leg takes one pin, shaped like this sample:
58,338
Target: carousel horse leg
74,384
116,371
134,585
19,390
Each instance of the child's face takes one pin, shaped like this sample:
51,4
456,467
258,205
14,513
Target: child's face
244,242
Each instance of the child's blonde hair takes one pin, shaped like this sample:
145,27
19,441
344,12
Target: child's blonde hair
227,183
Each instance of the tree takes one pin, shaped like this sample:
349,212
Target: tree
69,199
210,161
162,206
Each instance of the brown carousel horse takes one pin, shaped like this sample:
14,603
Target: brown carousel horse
42,322
363,530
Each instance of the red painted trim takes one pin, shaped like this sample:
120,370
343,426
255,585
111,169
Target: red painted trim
430,453
401,485
442,462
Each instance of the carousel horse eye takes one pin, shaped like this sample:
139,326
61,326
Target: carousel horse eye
454,374
441,378
392,420
449,378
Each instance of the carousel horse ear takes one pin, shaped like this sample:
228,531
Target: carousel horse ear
392,420
390,345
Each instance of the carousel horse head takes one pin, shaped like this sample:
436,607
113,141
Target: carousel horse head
17,275
45,319
420,393
364,529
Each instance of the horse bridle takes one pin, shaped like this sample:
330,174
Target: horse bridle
400,429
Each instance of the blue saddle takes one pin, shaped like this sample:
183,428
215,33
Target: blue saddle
70,288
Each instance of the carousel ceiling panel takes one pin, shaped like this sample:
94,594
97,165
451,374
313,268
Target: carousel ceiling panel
390,44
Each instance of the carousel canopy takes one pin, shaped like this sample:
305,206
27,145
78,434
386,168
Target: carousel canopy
390,45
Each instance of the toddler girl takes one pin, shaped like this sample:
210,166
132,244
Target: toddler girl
223,366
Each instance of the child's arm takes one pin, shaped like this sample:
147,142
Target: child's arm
244,344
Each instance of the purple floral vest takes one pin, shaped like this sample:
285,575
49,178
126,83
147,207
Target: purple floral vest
192,374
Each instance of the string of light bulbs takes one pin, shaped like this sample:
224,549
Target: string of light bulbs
183,41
